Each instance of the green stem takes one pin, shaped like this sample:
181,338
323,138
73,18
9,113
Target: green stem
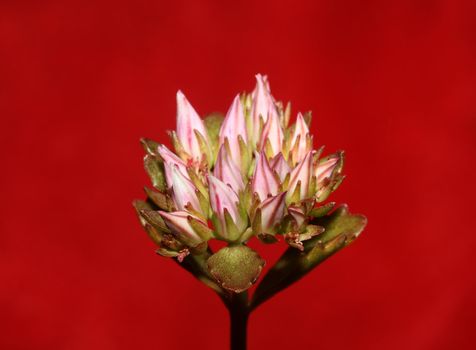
238,308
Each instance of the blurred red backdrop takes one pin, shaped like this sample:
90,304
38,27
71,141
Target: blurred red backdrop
392,83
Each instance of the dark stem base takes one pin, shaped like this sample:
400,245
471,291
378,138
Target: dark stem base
238,321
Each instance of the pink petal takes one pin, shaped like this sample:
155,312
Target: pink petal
301,130
227,171
298,214
272,210
221,197
280,166
233,126
183,190
301,173
188,121
170,159
272,132
324,169
264,182
177,222
262,106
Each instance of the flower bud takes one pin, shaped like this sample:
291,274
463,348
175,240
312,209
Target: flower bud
191,131
328,175
297,214
272,136
227,171
300,141
298,188
183,190
280,166
179,224
272,211
262,106
234,128
227,216
170,160
264,182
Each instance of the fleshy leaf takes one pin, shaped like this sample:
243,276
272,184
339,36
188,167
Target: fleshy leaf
341,229
236,268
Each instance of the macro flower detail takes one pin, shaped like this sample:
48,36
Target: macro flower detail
251,173
233,130
191,132
264,181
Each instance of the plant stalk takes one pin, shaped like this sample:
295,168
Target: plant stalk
238,308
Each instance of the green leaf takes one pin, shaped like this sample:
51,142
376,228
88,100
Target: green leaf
236,268
341,229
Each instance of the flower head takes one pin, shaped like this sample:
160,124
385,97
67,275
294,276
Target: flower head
248,174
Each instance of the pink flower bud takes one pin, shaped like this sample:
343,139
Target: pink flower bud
234,126
178,223
264,181
280,166
298,214
170,160
299,143
272,133
262,106
224,200
189,122
324,169
272,211
301,174
328,175
183,190
227,171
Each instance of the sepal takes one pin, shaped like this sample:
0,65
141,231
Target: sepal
155,170
213,123
160,199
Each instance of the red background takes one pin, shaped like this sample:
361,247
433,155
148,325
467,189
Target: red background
391,82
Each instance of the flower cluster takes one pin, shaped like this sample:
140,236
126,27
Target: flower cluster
248,174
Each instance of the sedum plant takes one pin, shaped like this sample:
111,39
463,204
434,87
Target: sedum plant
249,174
